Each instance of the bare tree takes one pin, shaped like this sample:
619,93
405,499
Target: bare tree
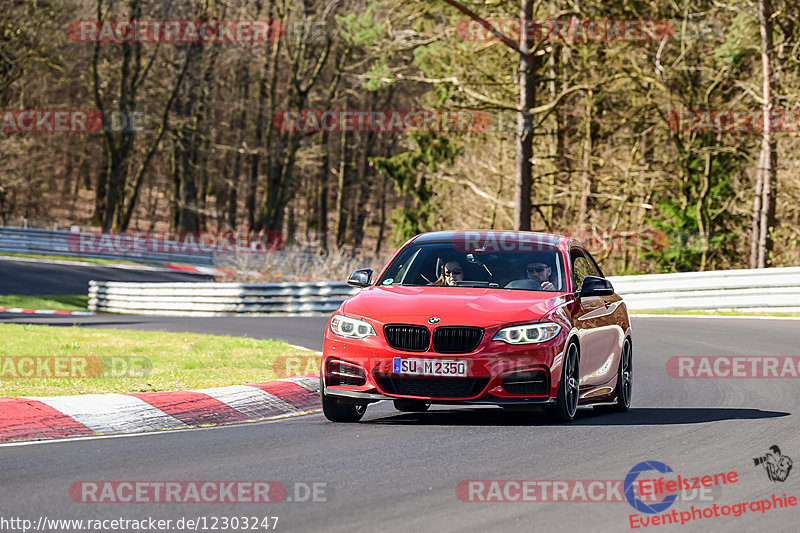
764,201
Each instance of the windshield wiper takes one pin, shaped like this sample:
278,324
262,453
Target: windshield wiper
477,284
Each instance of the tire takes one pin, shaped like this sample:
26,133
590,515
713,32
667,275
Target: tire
622,398
624,379
569,389
339,412
411,406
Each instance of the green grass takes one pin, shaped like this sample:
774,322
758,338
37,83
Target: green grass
179,361
73,258
706,313
61,302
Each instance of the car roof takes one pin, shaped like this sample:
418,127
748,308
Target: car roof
552,239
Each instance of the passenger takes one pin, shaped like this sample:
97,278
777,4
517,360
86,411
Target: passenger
541,272
451,273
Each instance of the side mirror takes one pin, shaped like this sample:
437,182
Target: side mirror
596,286
360,277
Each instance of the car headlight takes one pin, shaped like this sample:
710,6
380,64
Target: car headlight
353,328
528,334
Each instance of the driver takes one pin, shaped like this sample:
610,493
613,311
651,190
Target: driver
540,272
451,274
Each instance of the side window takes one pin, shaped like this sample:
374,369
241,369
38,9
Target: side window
595,269
580,268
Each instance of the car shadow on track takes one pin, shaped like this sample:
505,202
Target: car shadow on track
659,416
642,416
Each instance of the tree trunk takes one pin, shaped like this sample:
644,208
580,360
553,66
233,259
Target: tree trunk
341,218
322,194
769,157
586,157
267,87
527,100
381,214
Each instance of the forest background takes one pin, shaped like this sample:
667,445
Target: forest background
592,120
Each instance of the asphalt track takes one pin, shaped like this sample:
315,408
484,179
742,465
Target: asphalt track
399,472
40,277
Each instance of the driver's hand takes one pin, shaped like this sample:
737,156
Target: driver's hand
546,285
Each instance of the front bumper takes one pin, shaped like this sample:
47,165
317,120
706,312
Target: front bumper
371,397
488,366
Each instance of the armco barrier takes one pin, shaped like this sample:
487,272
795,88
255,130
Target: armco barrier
57,242
756,290
54,242
764,290
215,299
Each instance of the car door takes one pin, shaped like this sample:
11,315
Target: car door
593,318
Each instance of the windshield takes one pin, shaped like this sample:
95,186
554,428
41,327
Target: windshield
441,264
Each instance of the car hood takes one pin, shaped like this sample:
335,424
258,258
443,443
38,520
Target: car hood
452,305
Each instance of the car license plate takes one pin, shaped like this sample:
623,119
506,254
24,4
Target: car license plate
430,367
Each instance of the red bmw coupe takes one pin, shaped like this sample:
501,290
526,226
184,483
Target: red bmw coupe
521,320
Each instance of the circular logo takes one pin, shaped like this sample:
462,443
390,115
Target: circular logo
434,320
630,481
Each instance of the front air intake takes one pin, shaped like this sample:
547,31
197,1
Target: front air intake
342,373
531,382
433,387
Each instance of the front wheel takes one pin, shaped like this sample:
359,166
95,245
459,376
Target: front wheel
622,398
624,378
339,412
567,401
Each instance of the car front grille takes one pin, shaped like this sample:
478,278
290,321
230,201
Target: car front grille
456,339
407,338
433,387
532,382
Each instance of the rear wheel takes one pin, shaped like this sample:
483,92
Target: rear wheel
339,412
567,400
411,406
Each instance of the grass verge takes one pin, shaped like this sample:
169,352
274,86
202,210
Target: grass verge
60,302
79,258
179,361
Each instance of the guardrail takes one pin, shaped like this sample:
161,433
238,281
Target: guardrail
756,290
772,290
55,242
217,299
59,242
